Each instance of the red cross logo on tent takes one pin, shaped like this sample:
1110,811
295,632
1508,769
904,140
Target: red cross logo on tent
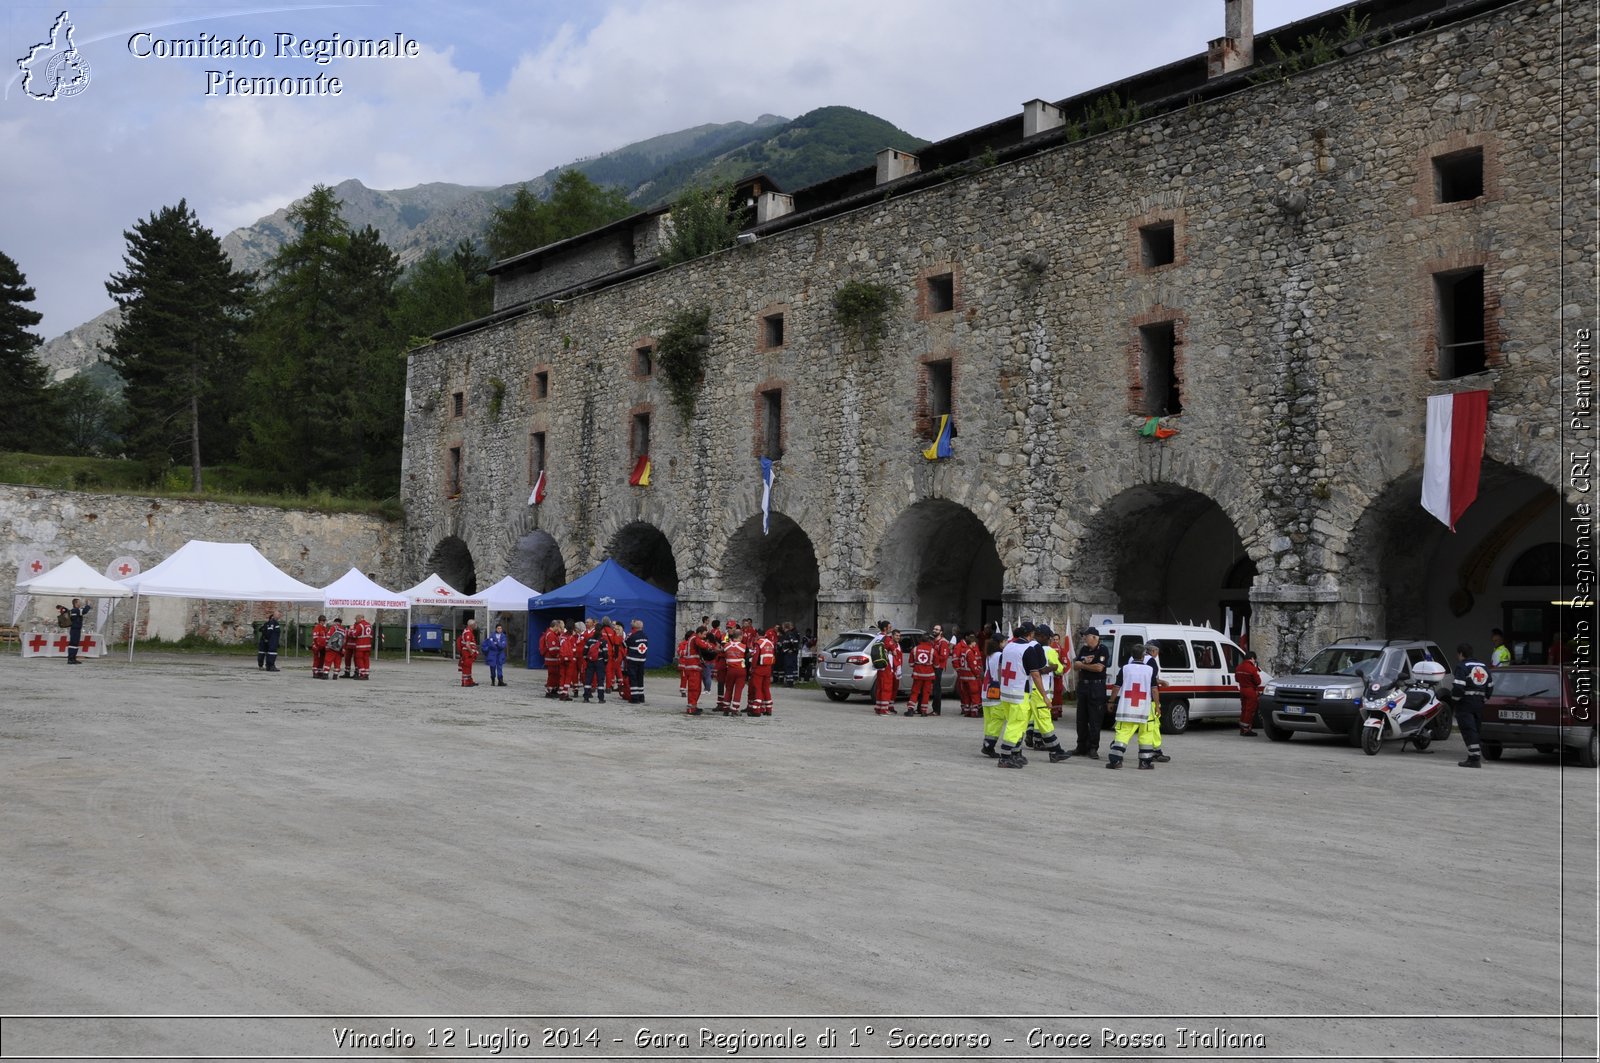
88,643
62,643
37,566
1008,673
124,568
1480,675
37,643
442,591
1135,695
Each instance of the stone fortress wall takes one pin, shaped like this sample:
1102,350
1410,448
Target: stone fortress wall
1313,257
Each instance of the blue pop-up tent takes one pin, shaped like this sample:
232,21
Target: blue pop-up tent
609,590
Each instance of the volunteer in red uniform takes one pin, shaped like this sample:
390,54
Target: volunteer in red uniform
1249,679
883,685
719,670
361,646
319,648
334,658
689,671
922,676
467,652
550,650
968,660
612,630
571,664
762,658
733,675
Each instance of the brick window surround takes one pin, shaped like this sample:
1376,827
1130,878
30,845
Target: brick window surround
453,473
645,409
1178,218
535,375
927,277
764,330
926,420
634,347
1428,308
758,424
1134,352
1425,192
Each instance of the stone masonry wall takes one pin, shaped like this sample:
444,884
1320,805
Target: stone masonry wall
315,548
1306,346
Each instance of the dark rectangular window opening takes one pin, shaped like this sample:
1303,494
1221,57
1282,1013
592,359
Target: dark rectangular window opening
452,485
458,404
535,456
644,361
641,435
1462,349
1158,369
941,293
772,330
541,385
772,424
939,386
1458,177
1157,244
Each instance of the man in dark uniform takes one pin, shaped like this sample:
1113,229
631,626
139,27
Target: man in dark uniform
1091,663
789,654
636,646
267,643
1473,685
74,618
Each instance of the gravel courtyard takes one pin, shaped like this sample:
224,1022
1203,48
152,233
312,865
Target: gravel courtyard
188,836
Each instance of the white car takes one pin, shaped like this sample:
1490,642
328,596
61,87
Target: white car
1197,668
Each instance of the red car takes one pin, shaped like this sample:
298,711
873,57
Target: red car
1544,706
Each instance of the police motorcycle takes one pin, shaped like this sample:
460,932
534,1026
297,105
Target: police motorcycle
1409,710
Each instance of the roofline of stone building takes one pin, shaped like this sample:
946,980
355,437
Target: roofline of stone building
1158,91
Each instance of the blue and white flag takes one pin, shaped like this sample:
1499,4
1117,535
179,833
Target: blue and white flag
766,493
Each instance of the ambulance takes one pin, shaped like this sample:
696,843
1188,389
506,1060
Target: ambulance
1197,666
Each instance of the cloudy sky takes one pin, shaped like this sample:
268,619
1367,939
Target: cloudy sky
497,92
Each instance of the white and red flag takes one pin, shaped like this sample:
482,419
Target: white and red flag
1453,455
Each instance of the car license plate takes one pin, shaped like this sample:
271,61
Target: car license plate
1516,714
1294,710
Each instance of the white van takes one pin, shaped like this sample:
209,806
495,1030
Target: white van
1197,666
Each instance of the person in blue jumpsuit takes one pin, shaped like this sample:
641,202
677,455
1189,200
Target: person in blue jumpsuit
494,655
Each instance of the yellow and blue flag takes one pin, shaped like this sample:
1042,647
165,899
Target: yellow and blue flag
941,441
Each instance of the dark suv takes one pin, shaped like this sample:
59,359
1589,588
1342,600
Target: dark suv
1544,706
1323,696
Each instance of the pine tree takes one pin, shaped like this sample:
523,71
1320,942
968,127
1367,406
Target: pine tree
178,346
25,421
575,205
328,387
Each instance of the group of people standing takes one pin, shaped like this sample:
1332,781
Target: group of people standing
332,646
593,657
738,659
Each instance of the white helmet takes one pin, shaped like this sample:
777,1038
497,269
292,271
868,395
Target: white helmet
1429,671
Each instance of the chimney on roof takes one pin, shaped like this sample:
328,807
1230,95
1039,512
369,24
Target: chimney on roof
1237,49
1039,116
773,205
893,165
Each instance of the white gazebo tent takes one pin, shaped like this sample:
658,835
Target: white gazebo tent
73,579
227,571
354,590
435,591
510,595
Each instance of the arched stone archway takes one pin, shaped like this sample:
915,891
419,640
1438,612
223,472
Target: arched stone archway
1425,581
452,560
938,564
535,559
643,550
772,577
1165,553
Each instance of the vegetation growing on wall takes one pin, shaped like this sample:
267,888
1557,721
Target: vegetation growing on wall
862,310
681,348
703,221
1314,49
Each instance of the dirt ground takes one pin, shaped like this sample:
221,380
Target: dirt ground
189,836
